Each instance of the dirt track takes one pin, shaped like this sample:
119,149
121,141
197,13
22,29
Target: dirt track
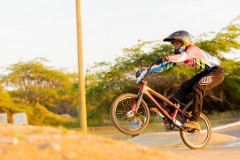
44,143
18,142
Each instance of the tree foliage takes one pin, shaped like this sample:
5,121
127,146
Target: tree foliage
33,83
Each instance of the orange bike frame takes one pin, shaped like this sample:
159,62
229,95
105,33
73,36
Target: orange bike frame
145,90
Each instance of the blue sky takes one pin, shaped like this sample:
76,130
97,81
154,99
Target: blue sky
47,28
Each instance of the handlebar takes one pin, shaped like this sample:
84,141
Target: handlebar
150,67
144,74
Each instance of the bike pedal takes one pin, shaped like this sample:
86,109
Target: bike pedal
155,110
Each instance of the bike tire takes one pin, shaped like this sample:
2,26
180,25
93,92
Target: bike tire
203,136
119,109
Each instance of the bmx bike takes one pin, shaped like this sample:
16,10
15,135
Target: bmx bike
130,114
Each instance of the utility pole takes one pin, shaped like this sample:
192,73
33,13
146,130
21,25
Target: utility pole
81,86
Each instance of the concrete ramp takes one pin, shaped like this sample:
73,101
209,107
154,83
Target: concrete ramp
158,139
173,138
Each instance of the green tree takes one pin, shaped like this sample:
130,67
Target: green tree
33,82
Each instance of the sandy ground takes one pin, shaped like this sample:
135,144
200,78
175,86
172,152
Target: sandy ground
19,142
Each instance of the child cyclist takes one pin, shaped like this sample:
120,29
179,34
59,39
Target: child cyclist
187,53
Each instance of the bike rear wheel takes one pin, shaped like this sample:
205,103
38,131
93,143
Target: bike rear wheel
124,119
198,139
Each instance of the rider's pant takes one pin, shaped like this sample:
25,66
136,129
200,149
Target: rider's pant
198,85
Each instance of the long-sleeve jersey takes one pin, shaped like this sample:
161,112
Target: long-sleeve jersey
162,67
192,56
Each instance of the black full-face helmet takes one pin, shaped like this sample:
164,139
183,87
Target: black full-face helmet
182,36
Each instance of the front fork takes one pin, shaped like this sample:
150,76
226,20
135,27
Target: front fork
138,100
135,106
136,103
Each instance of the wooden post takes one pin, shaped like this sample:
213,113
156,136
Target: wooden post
81,87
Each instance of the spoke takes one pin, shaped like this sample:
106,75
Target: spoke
120,112
127,106
121,105
141,113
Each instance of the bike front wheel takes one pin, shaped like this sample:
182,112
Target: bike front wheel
127,121
198,139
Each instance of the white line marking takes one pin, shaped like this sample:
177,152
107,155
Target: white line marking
226,126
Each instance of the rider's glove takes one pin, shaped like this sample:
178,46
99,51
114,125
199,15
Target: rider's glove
160,60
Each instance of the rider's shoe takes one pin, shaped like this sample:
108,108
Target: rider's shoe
192,125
